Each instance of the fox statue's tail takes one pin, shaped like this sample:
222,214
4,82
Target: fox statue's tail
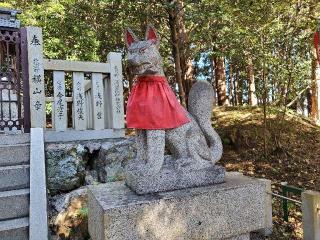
200,105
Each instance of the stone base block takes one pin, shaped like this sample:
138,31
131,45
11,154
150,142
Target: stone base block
229,211
169,178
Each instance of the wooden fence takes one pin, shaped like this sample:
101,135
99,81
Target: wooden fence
96,102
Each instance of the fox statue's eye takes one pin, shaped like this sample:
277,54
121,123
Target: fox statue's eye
142,50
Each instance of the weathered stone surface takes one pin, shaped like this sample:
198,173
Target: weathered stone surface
14,177
171,178
15,229
240,237
200,104
91,177
93,146
68,215
190,155
230,210
72,165
113,157
14,204
65,166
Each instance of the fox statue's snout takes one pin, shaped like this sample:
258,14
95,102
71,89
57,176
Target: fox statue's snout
143,57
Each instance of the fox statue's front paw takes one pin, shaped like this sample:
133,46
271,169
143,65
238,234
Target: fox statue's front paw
142,169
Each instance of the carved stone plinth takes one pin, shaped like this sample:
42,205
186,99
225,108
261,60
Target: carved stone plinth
228,211
170,178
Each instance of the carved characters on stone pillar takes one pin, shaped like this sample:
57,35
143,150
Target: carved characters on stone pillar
36,76
79,102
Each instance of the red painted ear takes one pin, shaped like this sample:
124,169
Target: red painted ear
151,34
129,37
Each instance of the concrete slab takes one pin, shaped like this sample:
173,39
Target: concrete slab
14,177
229,210
14,154
14,229
14,204
82,135
11,139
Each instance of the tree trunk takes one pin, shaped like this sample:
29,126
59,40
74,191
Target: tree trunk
220,76
235,90
231,95
315,82
183,41
309,102
213,82
176,53
273,90
252,98
302,105
239,89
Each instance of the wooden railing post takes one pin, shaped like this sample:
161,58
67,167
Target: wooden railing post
114,93
36,77
311,215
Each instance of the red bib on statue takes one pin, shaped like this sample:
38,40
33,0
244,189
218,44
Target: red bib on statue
153,105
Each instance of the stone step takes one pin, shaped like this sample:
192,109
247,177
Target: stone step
14,154
14,229
14,204
12,139
14,177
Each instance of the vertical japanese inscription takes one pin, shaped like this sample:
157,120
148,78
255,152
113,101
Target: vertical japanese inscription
60,107
116,91
79,102
35,40
80,121
36,76
98,101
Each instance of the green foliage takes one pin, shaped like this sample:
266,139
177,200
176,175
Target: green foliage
82,213
226,141
277,34
49,109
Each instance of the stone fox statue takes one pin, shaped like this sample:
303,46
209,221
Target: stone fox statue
160,120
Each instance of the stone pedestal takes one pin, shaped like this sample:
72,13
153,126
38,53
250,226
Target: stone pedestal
169,179
229,211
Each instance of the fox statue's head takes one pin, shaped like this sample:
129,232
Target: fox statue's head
143,56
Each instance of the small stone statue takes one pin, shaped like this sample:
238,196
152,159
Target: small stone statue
160,120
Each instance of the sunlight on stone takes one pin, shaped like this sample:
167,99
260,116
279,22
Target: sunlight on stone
156,222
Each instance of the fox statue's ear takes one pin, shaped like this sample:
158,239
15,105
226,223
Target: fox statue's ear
129,37
151,34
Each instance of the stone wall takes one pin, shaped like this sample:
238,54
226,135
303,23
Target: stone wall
72,166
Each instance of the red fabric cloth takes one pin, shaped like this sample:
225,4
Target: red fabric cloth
153,105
